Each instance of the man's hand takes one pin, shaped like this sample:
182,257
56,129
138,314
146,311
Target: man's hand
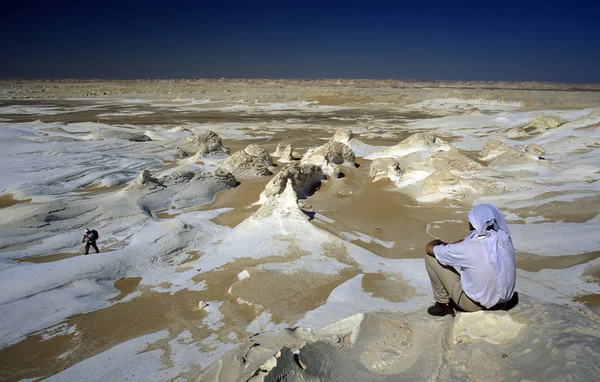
433,243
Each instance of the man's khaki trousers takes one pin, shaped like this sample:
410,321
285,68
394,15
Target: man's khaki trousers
445,282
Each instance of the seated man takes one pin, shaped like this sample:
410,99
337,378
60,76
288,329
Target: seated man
485,261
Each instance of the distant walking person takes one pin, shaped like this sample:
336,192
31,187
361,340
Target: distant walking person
91,235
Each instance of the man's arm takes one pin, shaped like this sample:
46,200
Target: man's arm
431,244
84,237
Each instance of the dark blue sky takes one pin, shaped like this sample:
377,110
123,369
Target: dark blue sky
482,40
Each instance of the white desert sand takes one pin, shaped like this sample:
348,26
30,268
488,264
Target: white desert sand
195,260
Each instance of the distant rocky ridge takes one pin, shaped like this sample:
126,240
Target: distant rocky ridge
325,91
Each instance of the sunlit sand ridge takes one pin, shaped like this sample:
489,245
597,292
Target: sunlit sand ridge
223,214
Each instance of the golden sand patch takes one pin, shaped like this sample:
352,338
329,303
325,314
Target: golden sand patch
288,296
240,199
390,287
534,263
379,210
125,286
49,258
589,300
193,256
8,200
102,329
579,210
165,215
169,164
93,189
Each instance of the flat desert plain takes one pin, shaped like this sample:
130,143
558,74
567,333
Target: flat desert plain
275,229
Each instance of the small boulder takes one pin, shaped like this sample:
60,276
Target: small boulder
284,152
519,155
140,138
146,182
329,156
342,135
385,167
492,149
304,178
253,161
543,122
535,150
207,142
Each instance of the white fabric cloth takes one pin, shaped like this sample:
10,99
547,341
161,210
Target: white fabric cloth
485,259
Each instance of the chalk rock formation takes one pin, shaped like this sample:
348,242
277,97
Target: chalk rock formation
303,179
331,153
140,138
146,182
414,143
385,167
282,206
535,150
219,176
180,153
285,152
180,189
492,149
207,142
519,155
536,126
452,160
444,185
517,133
543,122
499,153
535,341
497,328
343,135
253,161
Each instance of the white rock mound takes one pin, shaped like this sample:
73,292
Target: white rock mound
496,327
543,122
536,126
536,341
415,143
346,136
385,167
434,172
253,161
329,156
145,182
303,179
501,154
205,143
285,152
180,189
492,149
443,185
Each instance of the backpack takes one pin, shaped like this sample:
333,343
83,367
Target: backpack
95,233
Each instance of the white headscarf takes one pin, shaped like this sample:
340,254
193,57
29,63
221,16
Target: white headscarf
489,222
